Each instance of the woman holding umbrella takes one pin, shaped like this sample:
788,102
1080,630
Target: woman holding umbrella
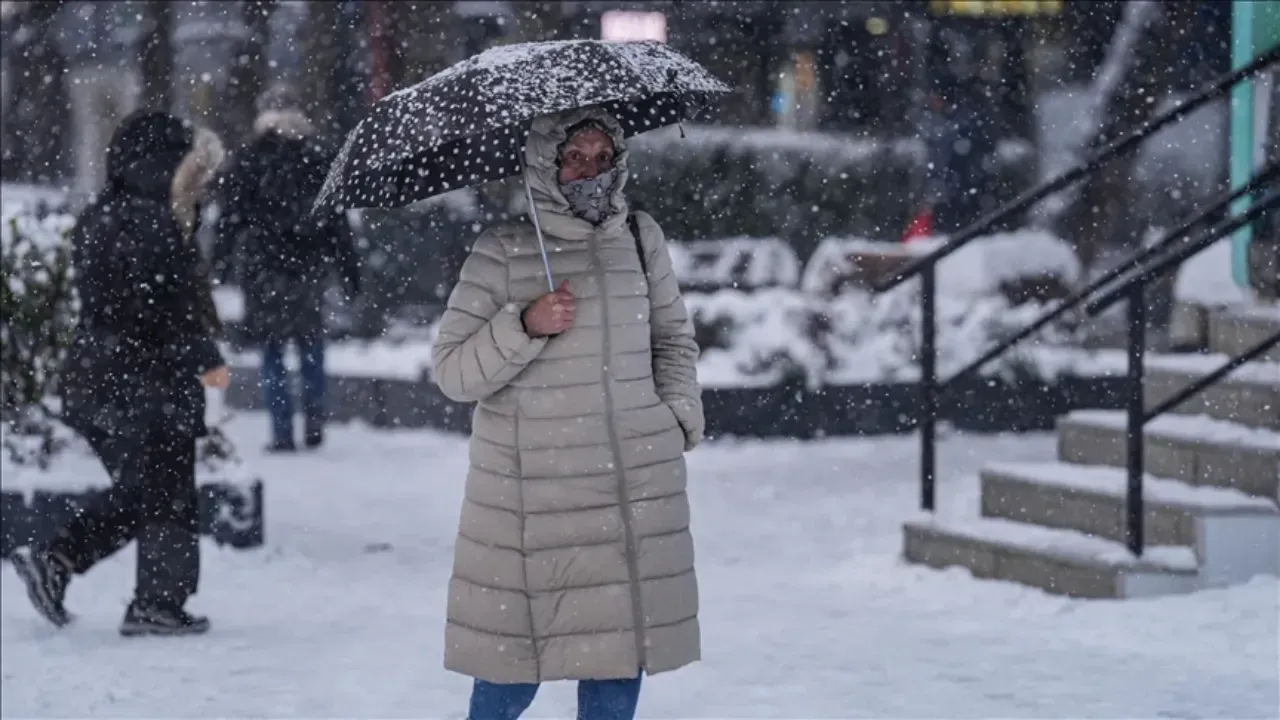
574,559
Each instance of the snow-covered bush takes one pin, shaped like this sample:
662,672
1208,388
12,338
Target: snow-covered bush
740,263
733,182
38,309
853,336
764,337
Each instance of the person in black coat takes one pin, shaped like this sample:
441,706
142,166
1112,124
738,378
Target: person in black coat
283,256
132,386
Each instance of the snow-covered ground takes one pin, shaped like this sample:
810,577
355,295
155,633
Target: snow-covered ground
807,610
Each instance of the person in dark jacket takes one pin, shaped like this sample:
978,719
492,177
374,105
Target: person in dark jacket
132,386
284,257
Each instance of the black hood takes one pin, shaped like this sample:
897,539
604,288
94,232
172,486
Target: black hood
145,153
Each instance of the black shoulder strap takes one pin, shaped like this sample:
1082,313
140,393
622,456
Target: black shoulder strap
634,224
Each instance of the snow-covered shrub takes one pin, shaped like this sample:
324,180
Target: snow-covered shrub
835,331
759,338
741,263
38,311
799,186
878,336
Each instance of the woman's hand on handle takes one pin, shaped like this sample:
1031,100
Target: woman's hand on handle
550,314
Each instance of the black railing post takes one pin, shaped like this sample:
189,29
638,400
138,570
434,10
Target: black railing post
928,385
1137,312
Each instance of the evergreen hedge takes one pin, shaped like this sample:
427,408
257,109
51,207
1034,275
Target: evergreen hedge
722,182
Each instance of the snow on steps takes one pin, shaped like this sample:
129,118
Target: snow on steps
1091,500
1062,562
1195,449
1234,330
1249,395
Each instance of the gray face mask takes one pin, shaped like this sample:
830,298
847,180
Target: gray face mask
590,198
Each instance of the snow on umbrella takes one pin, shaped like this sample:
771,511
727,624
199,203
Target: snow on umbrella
467,125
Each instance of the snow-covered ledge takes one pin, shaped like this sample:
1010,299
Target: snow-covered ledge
1204,284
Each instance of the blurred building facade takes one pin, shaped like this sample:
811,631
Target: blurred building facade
867,67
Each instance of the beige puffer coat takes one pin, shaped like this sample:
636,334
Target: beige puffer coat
574,558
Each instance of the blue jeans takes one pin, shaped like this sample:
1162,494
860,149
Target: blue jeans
597,699
278,396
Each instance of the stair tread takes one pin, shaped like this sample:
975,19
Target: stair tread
1066,546
1191,428
1253,311
1112,481
1258,371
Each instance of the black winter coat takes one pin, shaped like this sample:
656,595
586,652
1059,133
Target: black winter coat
282,254
141,343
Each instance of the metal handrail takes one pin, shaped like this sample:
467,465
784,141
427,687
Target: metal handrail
1265,176
926,267
1136,414
1122,146
1226,369
1179,254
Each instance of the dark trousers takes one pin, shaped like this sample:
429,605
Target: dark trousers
597,699
152,499
277,394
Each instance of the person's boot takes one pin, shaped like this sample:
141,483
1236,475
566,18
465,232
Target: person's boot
161,619
281,446
46,577
314,437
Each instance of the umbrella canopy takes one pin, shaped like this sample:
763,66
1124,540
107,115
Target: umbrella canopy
467,125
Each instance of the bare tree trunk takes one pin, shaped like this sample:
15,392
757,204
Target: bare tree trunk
1108,198
538,21
427,43
249,72
322,48
157,57
35,131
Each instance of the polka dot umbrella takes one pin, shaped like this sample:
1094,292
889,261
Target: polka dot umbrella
467,125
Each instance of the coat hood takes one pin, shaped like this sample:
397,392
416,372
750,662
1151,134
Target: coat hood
145,153
546,135
193,176
289,123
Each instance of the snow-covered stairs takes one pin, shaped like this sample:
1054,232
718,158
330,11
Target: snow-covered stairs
1211,491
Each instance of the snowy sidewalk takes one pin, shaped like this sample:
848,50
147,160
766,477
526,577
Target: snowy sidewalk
806,610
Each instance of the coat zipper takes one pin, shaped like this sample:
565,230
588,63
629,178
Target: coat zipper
615,446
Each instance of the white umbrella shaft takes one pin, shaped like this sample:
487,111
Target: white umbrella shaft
537,229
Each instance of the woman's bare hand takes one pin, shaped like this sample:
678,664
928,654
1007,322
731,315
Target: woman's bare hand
550,314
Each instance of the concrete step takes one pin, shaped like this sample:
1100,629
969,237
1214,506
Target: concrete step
1249,396
1062,562
1090,499
1234,330
1194,449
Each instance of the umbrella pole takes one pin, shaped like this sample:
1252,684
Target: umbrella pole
537,228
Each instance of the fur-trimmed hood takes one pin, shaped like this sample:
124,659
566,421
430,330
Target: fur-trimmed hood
288,123
193,176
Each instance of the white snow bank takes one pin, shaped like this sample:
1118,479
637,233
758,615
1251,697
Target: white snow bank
229,302
977,269
383,359
807,610
1205,279
16,198
44,231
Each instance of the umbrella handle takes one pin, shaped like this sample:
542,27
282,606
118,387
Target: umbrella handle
537,226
